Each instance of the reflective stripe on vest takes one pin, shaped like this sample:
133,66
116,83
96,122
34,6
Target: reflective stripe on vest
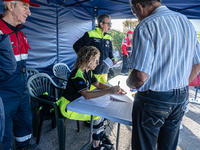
21,57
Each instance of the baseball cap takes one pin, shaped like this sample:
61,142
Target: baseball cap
129,32
27,1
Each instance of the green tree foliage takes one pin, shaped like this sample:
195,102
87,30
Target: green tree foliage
198,35
129,24
117,38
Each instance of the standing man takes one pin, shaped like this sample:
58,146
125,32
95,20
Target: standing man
126,52
13,85
164,60
102,41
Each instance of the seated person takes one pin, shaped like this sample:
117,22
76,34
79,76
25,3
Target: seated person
79,82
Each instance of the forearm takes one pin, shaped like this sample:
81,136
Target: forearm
94,94
102,86
194,72
136,79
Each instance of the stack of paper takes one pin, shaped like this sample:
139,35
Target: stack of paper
102,101
120,97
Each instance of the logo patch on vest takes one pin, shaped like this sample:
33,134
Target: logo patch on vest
107,43
80,82
96,40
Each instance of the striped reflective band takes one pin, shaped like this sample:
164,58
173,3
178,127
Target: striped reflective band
23,139
21,57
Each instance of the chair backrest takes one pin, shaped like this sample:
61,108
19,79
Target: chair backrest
61,71
41,83
30,72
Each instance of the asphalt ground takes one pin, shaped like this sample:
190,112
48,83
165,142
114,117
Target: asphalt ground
189,138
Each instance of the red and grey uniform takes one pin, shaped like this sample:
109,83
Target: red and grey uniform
126,52
126,46
13,89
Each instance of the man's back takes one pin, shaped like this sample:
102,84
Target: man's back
167,48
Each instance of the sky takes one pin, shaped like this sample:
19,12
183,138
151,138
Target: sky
196,24
117,24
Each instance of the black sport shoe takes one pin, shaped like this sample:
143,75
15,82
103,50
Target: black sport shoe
87,123
103,147
106,140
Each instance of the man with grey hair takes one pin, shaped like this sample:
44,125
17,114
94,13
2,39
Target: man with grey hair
164,60
13,80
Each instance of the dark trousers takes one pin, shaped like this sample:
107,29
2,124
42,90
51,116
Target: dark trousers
18,119
156,118
1,146
125,60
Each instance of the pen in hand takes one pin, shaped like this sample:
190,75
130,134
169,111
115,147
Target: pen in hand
118,83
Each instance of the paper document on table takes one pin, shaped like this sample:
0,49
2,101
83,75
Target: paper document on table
102,101
109,63
120,97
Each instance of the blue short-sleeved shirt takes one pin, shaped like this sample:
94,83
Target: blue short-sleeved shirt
165,46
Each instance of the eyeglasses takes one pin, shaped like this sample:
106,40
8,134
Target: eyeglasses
108,23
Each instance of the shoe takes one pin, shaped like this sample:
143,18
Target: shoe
106,140
87,123
103,147
27,147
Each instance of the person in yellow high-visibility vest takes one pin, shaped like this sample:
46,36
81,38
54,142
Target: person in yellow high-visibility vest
99,38
79,82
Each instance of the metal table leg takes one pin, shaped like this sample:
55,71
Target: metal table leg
91,131
118,129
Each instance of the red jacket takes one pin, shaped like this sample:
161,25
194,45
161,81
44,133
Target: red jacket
18,39
126,46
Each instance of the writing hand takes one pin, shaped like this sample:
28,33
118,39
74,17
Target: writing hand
122,91
114,89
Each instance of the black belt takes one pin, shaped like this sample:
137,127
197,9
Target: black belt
20,69
172,91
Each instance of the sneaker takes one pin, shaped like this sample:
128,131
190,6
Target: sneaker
87,123
103,147
27,147
106,140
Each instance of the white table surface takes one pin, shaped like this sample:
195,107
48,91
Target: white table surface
116,111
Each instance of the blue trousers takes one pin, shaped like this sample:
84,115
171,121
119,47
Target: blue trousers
156,117
125,60
18,119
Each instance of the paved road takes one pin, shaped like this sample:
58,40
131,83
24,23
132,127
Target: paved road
189,135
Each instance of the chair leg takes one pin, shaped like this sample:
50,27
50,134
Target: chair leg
40,129
61,127
35,121
78,126
53,123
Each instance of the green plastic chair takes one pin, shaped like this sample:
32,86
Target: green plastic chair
30,72
61,71
41,83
